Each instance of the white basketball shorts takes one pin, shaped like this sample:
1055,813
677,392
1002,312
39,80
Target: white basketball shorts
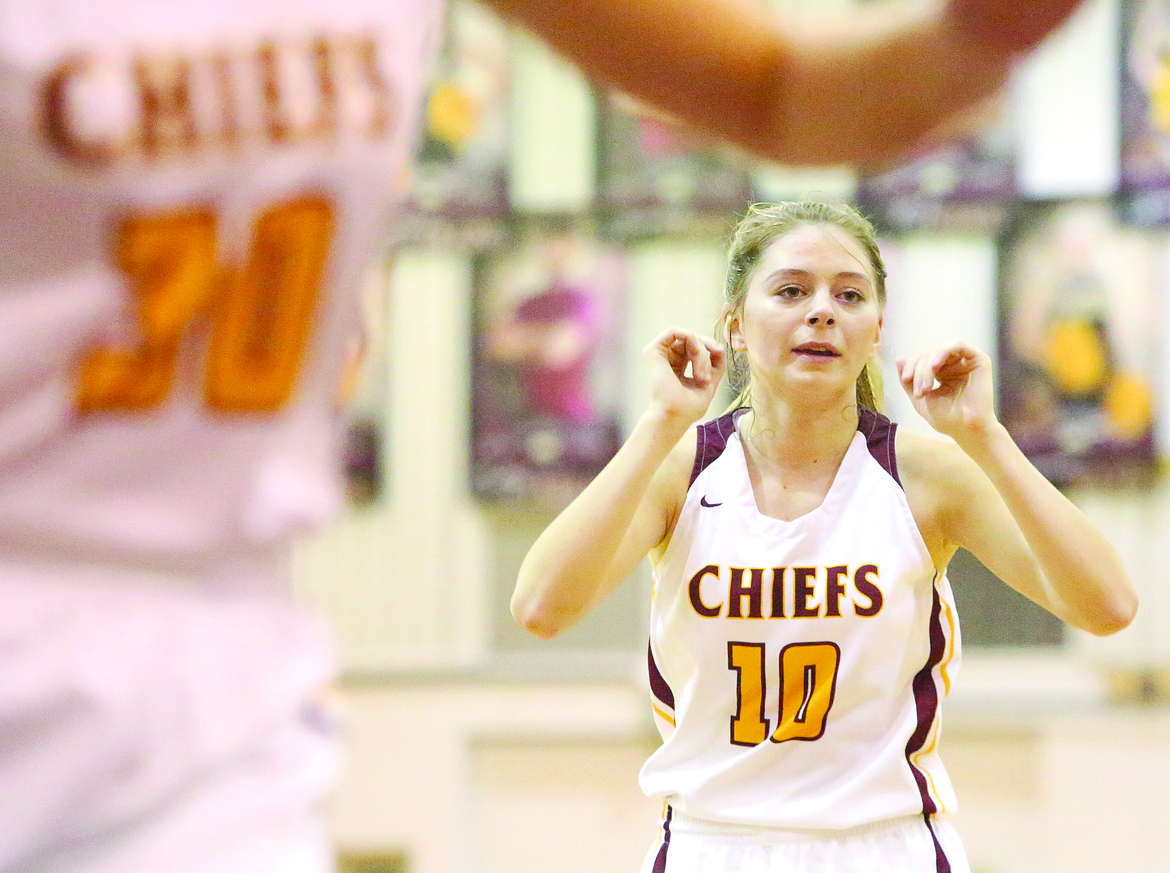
905,845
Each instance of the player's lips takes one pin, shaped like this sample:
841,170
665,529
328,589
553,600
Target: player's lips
817,350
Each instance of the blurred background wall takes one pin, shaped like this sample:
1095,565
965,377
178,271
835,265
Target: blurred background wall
475,748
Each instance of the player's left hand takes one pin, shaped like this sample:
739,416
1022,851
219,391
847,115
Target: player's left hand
951,388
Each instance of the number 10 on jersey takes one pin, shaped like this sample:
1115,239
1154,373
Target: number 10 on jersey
808,683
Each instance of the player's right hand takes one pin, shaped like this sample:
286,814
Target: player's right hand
685,369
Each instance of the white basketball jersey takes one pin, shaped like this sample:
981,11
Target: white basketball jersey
798,667
192,190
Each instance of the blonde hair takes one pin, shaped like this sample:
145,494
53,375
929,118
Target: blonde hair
765,223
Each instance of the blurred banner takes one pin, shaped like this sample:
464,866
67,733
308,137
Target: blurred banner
1080,340
547,372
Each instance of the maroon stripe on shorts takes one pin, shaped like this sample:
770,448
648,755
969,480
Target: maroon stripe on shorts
941,864
660,859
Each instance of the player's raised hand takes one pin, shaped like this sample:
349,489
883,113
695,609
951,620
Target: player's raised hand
685,368
950,387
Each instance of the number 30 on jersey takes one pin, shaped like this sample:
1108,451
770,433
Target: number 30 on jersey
259,316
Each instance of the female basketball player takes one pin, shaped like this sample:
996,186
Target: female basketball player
803,632
192,189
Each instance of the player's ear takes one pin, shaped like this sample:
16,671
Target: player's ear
733,325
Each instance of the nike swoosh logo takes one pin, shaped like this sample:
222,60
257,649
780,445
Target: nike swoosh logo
703,502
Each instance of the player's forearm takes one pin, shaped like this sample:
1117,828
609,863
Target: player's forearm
1086,580
579,558
827,87
878,82
1010,25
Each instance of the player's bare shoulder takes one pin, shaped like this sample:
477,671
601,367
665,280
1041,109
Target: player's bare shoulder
932,470
671,482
